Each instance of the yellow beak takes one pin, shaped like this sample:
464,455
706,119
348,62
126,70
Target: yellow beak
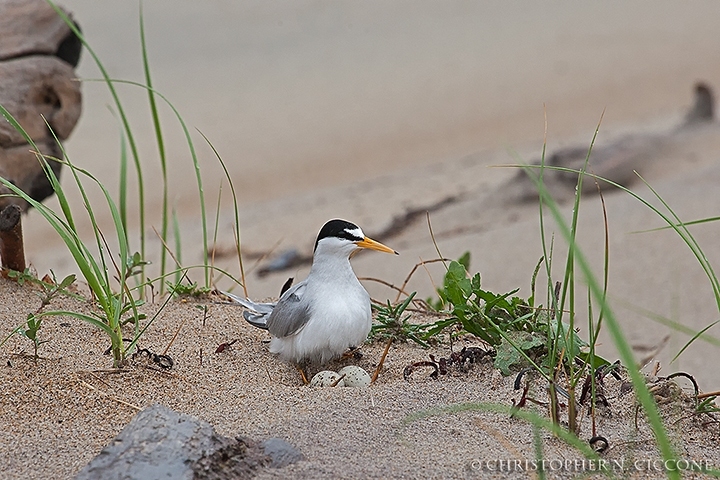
373,245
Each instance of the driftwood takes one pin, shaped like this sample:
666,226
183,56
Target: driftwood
38,52
35,87
25,170
32,27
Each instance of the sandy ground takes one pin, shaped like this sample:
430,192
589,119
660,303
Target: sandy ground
361,112
343,432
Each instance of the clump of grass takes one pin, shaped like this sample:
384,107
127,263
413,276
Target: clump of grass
118,281
392,323
190,289
393,326
517,330
94,271
547,336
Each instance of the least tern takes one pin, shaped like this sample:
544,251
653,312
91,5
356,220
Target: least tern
321,317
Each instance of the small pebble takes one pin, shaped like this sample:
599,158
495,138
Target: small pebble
326,378
355,376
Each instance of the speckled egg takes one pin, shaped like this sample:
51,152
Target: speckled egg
326,378
355,376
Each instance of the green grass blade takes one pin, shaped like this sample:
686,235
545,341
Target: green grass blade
695,337
613,326
178,243
677,326
123,118
196,165
677,226
122,200
49,173
699,221
160,145
237,212
69,237
685,234
215,232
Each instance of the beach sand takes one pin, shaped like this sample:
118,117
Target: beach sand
362,111
59,412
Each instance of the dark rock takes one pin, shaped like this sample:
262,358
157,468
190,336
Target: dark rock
161,443
236,458
281,453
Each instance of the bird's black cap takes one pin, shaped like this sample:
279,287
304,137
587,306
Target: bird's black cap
339,229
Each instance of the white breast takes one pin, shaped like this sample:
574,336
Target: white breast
340,317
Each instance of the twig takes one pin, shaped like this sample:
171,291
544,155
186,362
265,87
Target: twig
376,373
105,394
383,282
335,383
432,282
414,269
708,394
172,340
432,236
261,258
98,378
167,248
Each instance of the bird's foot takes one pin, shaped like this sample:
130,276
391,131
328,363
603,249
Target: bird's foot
353,352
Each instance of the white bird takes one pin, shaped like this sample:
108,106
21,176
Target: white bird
321,317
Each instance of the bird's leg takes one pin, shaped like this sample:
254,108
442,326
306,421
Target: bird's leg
301,369
353,352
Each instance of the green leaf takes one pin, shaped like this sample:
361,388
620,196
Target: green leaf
457,286
476,282
508,357
67,281
437,327
464,260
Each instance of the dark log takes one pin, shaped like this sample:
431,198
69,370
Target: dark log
12,251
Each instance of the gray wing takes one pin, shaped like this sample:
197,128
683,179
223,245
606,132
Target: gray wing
290,314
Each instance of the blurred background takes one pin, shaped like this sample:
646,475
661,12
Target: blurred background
363,110
305,95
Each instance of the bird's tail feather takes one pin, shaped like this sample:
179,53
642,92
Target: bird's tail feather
256,320
256,313
261,308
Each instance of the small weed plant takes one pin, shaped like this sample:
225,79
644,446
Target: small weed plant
524,332
50,289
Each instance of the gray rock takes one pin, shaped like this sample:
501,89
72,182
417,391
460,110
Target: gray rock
281,453
161,443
